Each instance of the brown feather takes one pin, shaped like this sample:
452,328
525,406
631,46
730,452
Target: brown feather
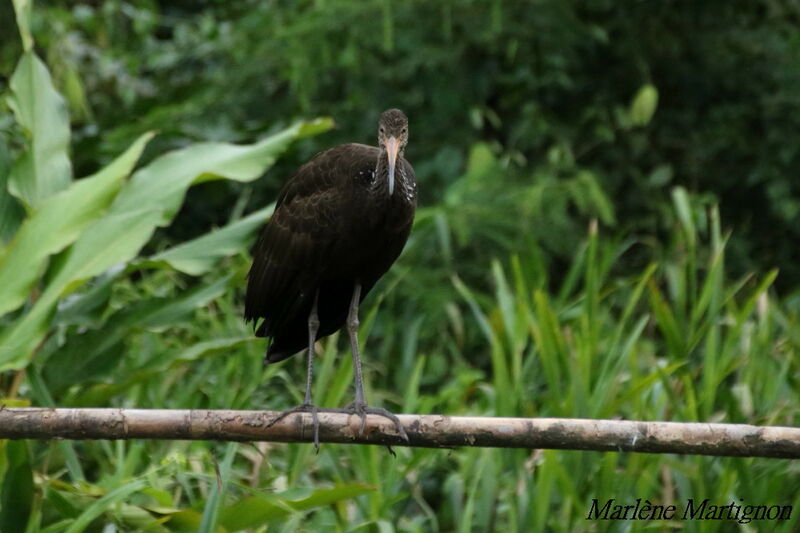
331,227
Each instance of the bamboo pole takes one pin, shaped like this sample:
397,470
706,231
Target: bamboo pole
431,431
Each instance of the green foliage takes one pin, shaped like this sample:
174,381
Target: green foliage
150,199
103,220
644,105
200,255
44,168
17,491
71,211
524,290
574,78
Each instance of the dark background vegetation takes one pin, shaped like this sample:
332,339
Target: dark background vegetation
607,189
544,83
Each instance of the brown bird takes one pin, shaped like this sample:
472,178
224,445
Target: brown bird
339,224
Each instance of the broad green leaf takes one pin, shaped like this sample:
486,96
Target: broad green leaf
112,237
259,510
44,168
16,494
644,105
198,256
58,223
161,186
103,504
163,183
23,11
148,200
95,353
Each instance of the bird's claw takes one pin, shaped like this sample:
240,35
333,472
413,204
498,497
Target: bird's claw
362,410
302,408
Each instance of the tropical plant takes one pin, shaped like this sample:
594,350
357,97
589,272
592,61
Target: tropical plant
521,293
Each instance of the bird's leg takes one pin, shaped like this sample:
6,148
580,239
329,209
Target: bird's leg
360,406
352,331
307,406
313,327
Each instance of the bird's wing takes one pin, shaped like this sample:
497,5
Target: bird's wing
289,255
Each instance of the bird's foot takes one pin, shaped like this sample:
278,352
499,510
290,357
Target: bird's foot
362,410
302,408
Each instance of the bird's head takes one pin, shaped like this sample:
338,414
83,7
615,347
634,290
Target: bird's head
392,137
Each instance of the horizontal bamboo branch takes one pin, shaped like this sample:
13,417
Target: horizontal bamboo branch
432,431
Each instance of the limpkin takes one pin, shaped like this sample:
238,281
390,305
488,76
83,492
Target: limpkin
339,224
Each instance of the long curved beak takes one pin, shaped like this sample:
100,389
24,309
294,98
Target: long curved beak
392,149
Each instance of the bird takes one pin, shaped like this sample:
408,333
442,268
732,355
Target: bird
339,224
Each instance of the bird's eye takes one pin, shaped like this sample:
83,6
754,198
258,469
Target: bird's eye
405,130
382,130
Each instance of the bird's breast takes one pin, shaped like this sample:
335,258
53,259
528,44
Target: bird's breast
372,234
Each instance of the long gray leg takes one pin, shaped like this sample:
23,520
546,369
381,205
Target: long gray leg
352,331
307,406
360,405
313,327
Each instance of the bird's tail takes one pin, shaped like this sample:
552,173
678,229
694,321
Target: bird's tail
276,355
281,348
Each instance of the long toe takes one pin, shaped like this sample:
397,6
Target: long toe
302,408
380,411
363,410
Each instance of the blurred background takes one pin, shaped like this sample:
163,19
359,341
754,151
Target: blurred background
608,227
